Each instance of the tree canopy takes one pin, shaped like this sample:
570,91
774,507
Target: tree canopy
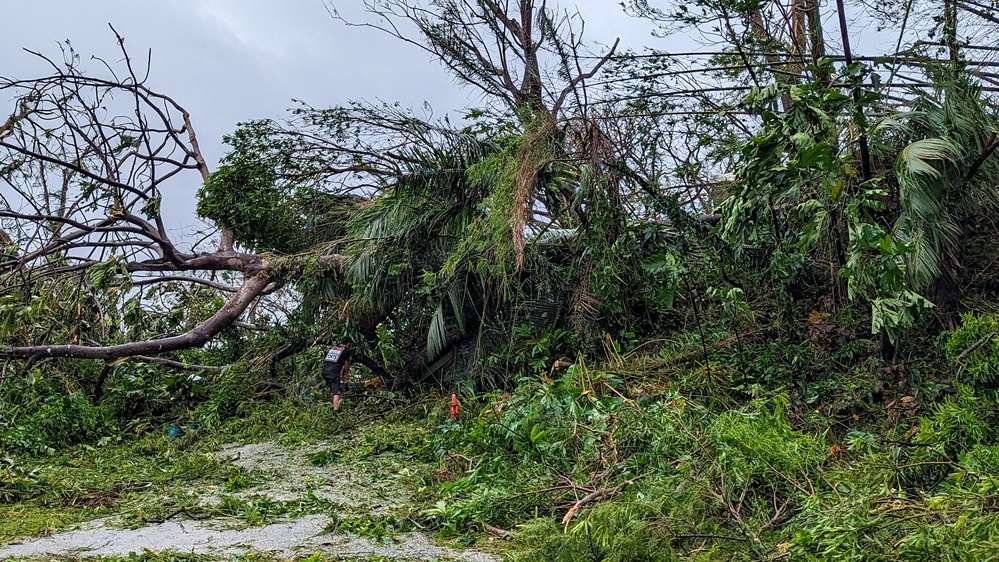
593,193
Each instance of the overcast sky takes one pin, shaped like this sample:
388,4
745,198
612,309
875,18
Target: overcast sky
228,61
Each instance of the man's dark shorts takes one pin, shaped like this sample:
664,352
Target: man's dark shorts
331,374
334,384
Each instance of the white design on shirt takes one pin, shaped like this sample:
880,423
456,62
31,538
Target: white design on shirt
333,355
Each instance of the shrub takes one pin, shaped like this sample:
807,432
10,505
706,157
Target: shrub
973,349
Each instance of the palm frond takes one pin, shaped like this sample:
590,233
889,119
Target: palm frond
949,129
436,334
917,158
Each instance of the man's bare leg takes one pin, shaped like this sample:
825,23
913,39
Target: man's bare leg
336,402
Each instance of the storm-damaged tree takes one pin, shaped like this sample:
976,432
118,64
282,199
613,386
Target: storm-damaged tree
530,215
443,258
374,213
85,162
861,190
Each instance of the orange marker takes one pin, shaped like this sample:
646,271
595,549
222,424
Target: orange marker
454,406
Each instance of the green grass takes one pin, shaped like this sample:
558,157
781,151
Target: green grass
815,469
25,519
153,476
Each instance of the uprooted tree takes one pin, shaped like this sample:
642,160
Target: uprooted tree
565,209
369,218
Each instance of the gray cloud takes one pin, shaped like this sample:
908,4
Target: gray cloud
228,61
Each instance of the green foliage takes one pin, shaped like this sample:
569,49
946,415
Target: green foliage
611,534
942,180
974,350
107,274
39,419
734,307
798,197
148,475
533,351
671,460
932,506
380,528
18,482
683,478
254,192
665,271
61,404
687,482
234,387
735,413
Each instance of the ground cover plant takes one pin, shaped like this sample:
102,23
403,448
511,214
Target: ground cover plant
603,462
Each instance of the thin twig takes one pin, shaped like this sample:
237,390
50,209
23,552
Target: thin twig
598,496
964,354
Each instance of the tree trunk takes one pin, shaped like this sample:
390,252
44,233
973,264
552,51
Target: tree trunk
950,29
196,337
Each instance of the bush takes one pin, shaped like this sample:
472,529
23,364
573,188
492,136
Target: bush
973,349
43,422
234,387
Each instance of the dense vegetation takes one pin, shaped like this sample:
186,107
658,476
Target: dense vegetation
689,319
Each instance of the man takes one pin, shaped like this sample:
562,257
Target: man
336,365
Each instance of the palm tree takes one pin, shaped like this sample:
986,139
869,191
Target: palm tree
945,176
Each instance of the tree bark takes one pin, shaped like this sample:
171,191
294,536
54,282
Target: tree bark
196,337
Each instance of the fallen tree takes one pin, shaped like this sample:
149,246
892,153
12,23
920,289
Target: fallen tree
87,162
421,238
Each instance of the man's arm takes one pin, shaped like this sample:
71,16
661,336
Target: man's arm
345,370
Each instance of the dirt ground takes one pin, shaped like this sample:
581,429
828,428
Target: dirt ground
290,476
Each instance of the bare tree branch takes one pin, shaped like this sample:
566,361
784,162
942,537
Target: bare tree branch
177,364
196,337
